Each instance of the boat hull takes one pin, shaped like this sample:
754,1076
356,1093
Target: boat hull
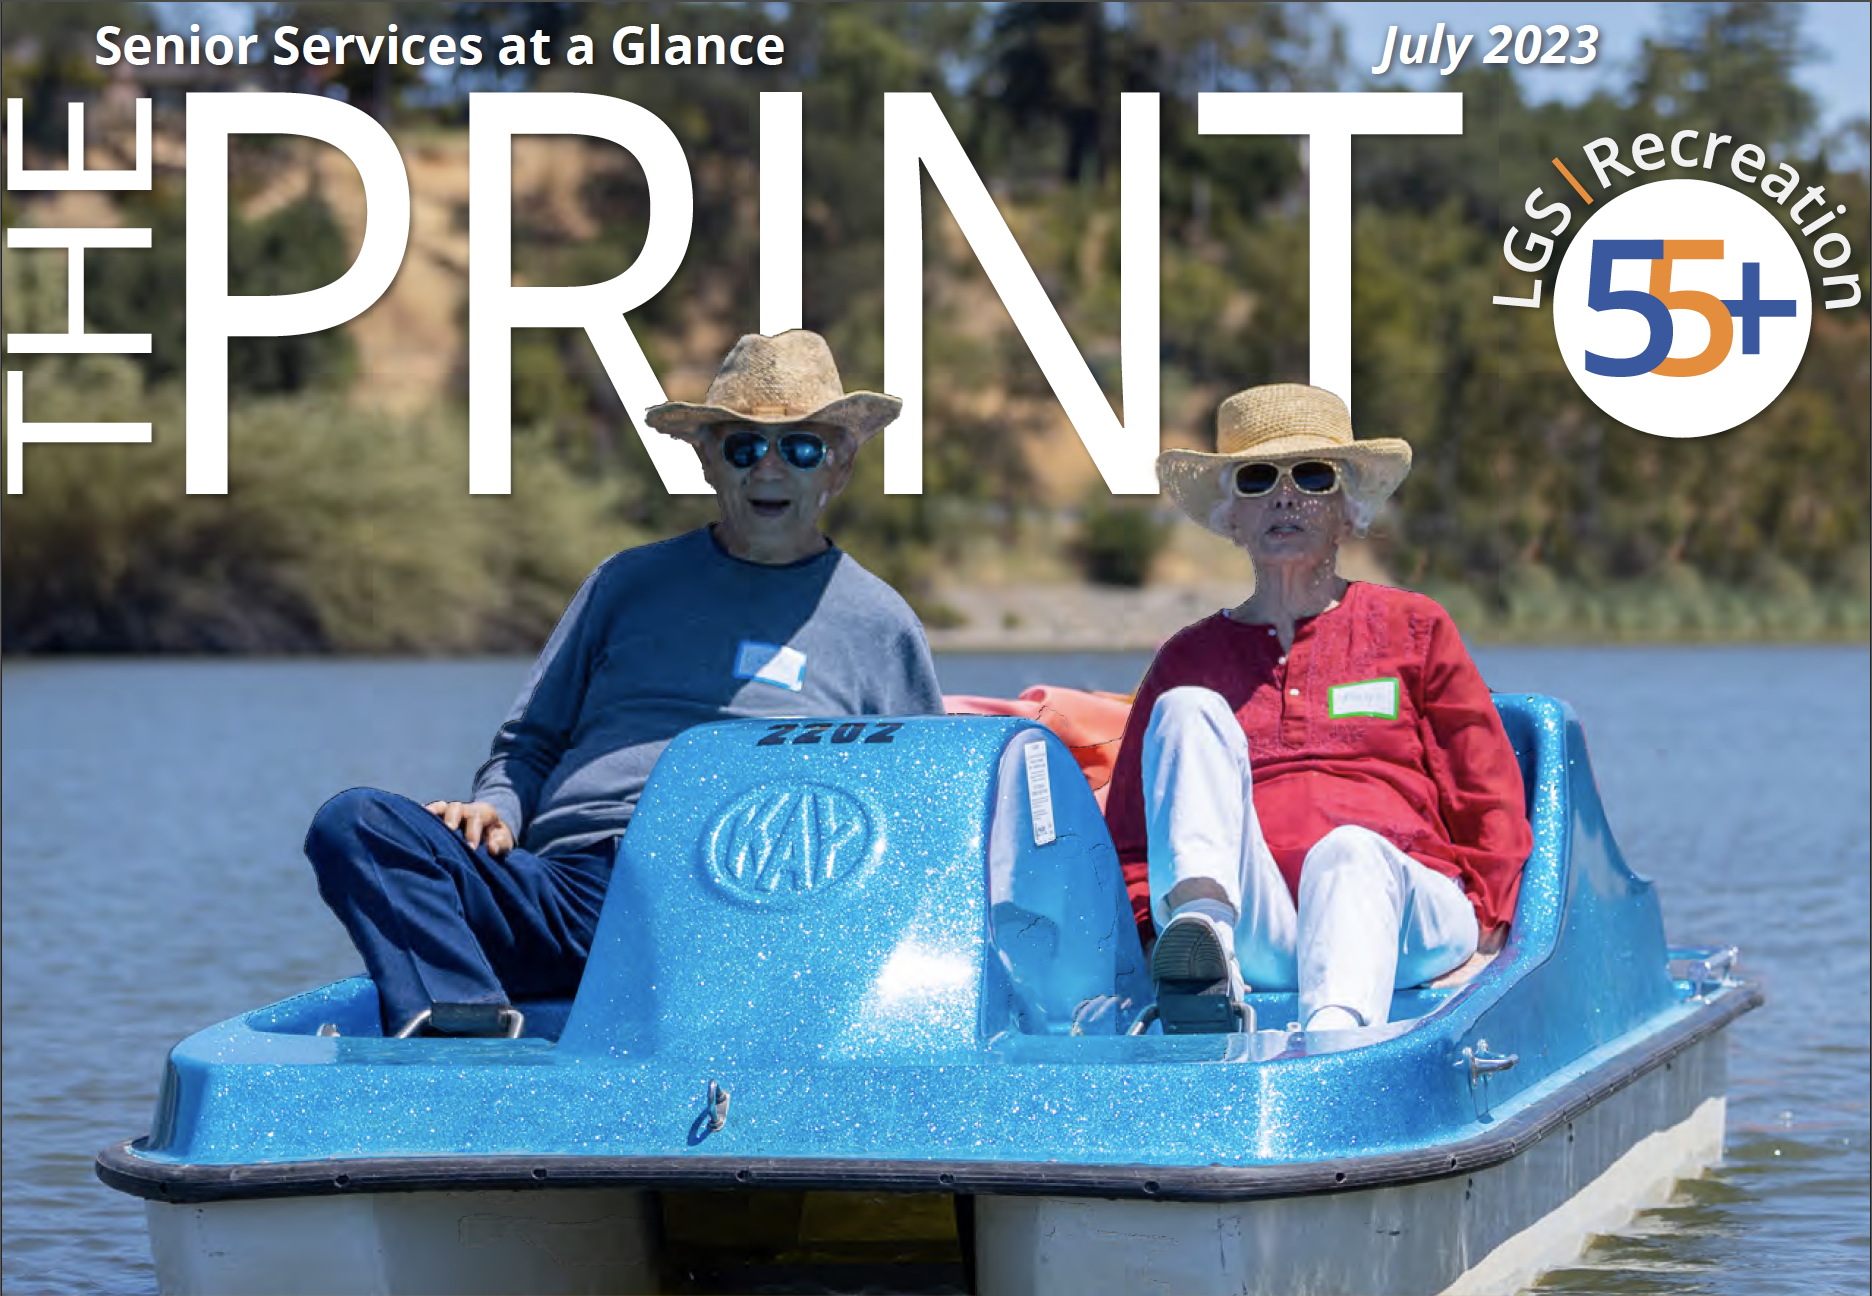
587,1240
1492,1230
1579,1163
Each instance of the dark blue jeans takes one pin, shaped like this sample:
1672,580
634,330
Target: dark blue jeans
437,922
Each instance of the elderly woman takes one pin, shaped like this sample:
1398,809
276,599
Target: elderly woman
1314,789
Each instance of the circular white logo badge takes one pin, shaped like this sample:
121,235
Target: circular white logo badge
1682,308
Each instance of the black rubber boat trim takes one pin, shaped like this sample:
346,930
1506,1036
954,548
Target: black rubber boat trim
122,1168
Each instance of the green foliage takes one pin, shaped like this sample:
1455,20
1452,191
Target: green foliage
1728,68
295,249
1528,512
339,532
49,54
1054,73
896,536
1674,602
1117,543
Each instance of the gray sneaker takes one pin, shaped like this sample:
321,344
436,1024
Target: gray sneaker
1199,985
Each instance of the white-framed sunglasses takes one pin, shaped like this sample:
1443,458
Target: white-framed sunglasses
1309,477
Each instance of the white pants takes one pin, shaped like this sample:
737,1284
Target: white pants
1370,918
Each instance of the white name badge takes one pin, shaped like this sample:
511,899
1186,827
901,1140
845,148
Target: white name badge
775,664
1377,697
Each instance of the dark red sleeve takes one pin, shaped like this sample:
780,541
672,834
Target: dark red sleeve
1479,789
1124,803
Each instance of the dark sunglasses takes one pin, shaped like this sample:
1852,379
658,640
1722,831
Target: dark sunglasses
1309,476
803,450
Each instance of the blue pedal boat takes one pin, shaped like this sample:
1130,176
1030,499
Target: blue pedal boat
859,1016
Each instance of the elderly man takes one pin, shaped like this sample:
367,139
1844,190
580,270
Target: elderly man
460,907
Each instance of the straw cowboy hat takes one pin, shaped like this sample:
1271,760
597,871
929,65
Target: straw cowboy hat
1281,423
787,378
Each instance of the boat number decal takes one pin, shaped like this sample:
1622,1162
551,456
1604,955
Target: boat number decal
803,735
779,846
1039,792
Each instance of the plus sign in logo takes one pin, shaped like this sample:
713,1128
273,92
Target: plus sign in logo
1682,308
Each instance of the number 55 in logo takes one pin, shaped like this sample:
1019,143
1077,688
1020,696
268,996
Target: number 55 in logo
1649,325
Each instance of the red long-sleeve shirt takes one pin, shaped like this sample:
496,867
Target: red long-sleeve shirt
1432,769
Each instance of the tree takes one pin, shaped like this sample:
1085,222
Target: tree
1729,69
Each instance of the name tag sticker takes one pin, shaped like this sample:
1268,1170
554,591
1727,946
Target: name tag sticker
1377,697
775,664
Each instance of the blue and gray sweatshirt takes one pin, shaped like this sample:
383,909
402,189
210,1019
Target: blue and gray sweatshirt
680,633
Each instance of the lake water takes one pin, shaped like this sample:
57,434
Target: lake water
153,885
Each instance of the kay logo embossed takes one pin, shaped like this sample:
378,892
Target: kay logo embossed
784,846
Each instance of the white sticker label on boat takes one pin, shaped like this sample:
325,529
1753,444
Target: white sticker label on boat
775,664
1039,792
1377,697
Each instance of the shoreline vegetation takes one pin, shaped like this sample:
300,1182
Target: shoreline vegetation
347,528
1137,635
1084,619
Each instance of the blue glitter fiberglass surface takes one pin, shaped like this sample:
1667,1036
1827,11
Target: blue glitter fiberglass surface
902,949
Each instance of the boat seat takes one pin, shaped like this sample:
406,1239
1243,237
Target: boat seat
1091,724
1465,974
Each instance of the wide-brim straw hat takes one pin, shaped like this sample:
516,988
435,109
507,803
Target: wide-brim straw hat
787,378
1281,423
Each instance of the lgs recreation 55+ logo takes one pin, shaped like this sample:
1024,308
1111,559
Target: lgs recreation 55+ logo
1682,308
